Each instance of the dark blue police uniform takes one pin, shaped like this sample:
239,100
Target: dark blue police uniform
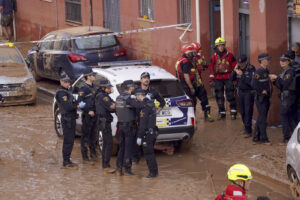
103,111
245,96
87,94
261,82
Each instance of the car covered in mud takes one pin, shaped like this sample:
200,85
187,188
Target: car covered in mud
293,162
176,121
17,85
73,51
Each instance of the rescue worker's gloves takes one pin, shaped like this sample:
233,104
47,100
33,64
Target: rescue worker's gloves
212,84
81,104
132,96
148,96
139,141
192,91
239,172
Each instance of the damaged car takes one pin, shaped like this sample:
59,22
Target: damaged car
17,85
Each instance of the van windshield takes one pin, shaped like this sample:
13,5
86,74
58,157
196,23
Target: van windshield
95,42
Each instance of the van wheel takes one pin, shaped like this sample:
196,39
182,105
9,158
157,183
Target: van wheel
100,144
294,183
57,123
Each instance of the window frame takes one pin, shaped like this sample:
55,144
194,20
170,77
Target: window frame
183,9
149,4
67,15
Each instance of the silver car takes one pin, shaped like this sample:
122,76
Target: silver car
293,162
17,85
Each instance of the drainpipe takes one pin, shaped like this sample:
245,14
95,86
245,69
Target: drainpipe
222,18
91,11
198,20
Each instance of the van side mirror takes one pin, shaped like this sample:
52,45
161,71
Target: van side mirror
35,48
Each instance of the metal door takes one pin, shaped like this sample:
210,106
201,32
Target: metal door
244,36
112,15
214,23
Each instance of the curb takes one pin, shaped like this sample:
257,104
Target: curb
46,91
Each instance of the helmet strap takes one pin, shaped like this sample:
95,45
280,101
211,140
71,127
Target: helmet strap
243,187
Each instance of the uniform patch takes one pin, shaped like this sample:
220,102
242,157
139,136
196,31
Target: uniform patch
142,114
265,75
105,99
227,63
65,98
257,76
287,76
81,94
192,70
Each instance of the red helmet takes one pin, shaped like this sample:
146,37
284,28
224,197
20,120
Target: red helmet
196,46
187,49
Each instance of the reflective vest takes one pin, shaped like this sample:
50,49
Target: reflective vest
222,65
178,69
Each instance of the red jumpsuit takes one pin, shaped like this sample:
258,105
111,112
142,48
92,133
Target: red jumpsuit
233,192
221,67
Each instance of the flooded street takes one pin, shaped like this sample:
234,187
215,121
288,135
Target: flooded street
31,164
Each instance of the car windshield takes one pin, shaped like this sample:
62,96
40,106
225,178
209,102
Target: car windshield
10,55
166,88
95,42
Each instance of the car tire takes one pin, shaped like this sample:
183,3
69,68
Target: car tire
100,144
294,183
184,145
33,72
57,123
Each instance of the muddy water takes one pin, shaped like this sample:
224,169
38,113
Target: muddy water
30,167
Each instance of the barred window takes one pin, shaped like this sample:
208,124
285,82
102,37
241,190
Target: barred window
146,9
73,10
185,11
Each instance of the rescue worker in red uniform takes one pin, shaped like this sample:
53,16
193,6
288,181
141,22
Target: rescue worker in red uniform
240,176
221,66
189,77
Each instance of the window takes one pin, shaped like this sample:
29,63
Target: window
62,45
146,9
73,10
44,45
96,42
185,11
297,7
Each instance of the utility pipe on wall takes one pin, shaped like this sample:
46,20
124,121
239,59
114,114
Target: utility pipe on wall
197,20
222,18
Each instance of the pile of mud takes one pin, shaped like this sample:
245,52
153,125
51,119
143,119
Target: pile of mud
13,70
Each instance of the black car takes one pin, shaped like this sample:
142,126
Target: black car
73,51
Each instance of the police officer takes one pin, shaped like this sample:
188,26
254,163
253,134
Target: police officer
153,94
261,84
221,66
87,94
104,107
243,74
190,77
147,131
68,109
126,128
286,84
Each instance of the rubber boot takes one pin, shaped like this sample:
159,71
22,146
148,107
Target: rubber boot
221,116
207,116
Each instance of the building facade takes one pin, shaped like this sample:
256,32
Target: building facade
249,26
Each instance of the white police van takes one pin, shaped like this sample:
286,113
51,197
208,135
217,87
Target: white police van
176,121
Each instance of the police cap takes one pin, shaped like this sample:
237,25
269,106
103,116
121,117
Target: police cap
145,74
284,57
140,91
105,83
128,83
242,58
90,73
264,56
65,78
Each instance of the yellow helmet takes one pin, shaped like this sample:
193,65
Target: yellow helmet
219,41
239,172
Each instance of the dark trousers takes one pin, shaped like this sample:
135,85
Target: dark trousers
287,117
262,105
68,126
201,94
220,86
148,148
125,139
246,102
89,134
107,145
